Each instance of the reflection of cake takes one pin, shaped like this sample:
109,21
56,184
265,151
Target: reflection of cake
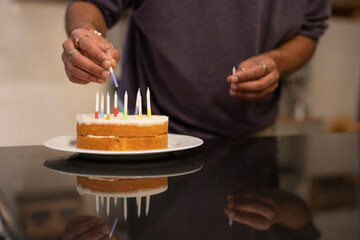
107,188
121,187
118,134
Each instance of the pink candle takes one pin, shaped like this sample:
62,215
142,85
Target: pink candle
115,104
97,106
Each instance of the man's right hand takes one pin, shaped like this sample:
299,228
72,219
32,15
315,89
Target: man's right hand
92,60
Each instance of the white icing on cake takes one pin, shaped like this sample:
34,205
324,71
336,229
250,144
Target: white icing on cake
138,193
89,118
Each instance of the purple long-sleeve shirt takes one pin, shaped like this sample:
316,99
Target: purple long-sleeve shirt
184,51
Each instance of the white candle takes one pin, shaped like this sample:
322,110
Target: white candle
148,105
107,106
125,105
115,100
97,105
140,107
138,201
97,204
102,106
233,70
107,206
125,208
147,205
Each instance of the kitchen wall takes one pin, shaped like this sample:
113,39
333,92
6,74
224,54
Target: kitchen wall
37,101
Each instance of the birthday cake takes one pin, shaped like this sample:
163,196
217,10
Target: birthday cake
106,188
121,187
119,134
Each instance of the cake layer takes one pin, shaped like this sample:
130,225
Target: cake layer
121,130
122,143
121,185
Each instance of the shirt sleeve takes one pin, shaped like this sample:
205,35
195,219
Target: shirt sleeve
111,9
316,14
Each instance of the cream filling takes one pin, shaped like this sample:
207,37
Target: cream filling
93,136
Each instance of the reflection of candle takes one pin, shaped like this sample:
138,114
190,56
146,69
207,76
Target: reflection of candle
113,228
115,201
102,106
97,105
125,105
125,208
107,206
115,104
107,106
97,204
147,204
138,202
148,105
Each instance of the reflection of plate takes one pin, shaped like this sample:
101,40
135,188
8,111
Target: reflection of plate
176,142
79,165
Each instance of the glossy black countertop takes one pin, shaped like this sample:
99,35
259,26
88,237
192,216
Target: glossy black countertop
293,187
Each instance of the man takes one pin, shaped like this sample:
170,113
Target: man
185,50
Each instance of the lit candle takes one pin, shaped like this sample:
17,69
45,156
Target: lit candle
107,106
97,105
125,208
115,201
137,103
233,70
125,105
138,202
102,106
147,205
148,105
115,104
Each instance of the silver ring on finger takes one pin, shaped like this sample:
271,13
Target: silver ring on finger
71,52
108,48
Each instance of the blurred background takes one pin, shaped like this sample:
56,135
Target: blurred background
35,92
324,96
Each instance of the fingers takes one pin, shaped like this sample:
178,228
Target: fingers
114,56
92,60
251,207
245,94
253,220
256,78
83,228
253,84
248,74
88,46
81,69
77,220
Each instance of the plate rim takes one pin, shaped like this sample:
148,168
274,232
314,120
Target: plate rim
196,142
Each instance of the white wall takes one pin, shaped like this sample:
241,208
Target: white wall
334,84
37,101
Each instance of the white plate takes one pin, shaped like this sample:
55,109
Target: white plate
176,142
